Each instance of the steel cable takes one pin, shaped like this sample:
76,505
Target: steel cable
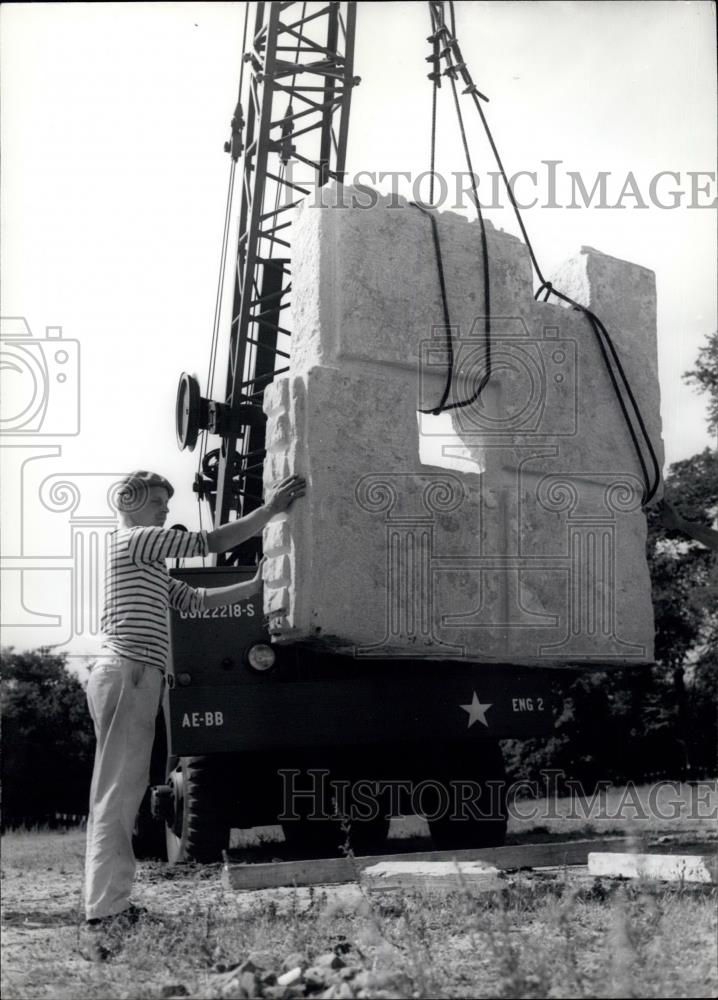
606,345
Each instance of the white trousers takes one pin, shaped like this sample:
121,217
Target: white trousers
124,697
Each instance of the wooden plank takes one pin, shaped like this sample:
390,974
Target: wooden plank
333,871
661,867
433,875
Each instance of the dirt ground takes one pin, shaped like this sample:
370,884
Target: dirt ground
43,916
436,948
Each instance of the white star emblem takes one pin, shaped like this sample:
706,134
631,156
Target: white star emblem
476,711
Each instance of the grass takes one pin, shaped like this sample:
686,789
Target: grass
663,809
549,937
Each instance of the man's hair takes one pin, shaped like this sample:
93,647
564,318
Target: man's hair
133,490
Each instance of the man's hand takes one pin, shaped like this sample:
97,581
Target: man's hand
218,597
285,493
233,533
256,580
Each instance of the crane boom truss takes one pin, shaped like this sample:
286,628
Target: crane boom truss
301,53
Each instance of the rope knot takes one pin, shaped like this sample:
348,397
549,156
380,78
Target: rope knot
547,287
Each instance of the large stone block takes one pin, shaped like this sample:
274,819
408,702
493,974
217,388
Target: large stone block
366,290
510,529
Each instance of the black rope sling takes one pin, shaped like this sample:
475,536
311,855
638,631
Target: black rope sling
455,68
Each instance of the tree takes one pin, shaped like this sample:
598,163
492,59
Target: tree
683,572
637,725
48,738
705,377
619,725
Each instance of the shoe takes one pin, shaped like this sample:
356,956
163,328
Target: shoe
95,946
132,915
101,938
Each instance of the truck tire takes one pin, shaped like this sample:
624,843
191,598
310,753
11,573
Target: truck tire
368,836
327,838
200,828
313,838
483,765
148,837
332,837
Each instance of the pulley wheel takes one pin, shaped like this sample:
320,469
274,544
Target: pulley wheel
187,412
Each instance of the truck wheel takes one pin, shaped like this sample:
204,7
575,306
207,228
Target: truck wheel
199,827
148,837
329,836
482,820
322,838
368,836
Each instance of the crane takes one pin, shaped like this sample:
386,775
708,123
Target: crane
242,718
295,90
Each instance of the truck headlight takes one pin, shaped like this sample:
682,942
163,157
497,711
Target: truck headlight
261,657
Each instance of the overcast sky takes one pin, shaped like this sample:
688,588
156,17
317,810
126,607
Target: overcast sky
114,180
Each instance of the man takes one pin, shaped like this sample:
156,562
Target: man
125,686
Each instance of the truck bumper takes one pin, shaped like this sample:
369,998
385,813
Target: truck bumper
466,705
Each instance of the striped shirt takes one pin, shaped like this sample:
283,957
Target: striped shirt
139,590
